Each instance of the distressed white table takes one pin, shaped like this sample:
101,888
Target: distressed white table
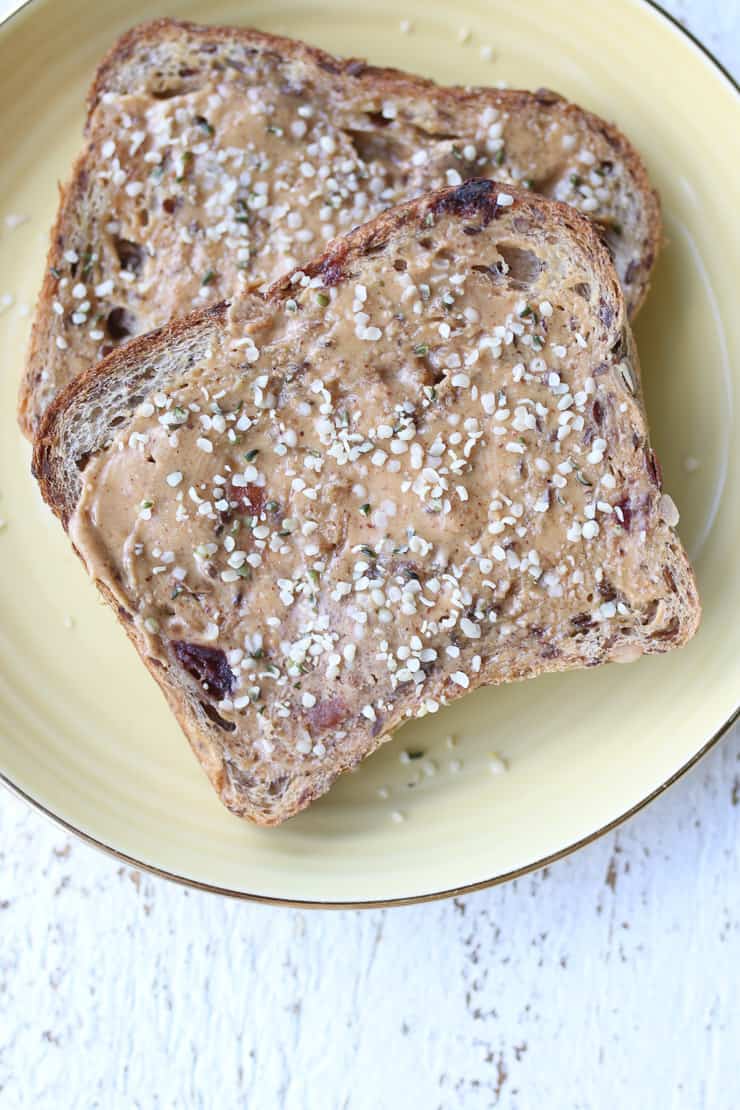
607,981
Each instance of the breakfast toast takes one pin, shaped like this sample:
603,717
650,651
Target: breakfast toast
417,465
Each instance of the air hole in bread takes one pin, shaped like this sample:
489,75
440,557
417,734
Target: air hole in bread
277,786
491,272
621,347
433,372
377,119
582,289
376,248
524,266
648,614
130,255
611,246
669,632
215,716
371,147
120,323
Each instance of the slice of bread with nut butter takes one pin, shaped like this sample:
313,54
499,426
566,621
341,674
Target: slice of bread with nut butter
217,158
417,465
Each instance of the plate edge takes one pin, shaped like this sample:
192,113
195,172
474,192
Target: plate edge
386,903
434,896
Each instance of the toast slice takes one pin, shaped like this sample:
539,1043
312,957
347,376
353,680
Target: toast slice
417,466
216,157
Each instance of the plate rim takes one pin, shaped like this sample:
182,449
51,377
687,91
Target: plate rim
433,896
384,903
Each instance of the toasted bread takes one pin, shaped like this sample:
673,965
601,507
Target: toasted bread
216,157
417,466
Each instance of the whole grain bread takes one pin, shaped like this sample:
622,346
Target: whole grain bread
216,157
416,466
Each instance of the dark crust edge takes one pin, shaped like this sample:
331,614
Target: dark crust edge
47,465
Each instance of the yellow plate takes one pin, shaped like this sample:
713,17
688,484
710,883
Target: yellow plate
85,734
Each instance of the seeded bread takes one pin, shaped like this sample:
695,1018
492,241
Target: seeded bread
215,156
417,466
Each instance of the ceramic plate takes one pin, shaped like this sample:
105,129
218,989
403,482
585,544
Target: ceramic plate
85,733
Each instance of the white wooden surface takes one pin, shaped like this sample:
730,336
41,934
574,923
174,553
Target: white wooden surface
609,981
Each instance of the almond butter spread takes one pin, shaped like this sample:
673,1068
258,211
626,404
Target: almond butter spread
183,196
378,488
